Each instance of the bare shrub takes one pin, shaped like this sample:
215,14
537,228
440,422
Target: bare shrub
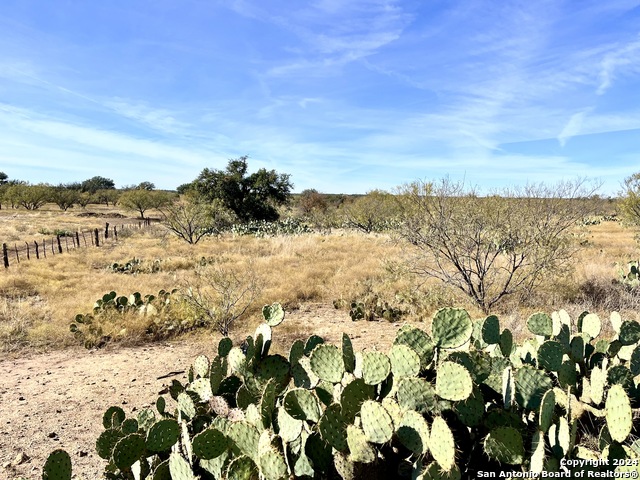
220,296
493,246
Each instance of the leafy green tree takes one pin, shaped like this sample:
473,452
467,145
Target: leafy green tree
496,246
143,200
311,201
629,203
106,196
250,197
192,218
374,212
64,197
184,188
3,178
146,186
93,184
28,196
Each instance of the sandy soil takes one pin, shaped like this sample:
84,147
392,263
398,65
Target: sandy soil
56,400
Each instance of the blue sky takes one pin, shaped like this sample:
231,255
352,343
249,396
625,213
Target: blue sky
346,96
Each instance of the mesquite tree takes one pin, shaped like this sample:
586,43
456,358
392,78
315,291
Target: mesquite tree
492,246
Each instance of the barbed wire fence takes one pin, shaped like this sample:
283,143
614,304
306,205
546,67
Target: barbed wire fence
65,242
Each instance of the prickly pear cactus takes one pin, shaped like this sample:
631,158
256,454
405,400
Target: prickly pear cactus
466,399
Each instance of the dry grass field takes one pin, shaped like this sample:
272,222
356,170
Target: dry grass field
40,298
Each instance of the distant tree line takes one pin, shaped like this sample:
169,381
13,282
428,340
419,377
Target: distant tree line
95,190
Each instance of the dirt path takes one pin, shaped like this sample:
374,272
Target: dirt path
56,400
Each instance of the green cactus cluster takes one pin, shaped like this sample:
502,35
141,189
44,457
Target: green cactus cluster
97,328
629,275
136,266
450,403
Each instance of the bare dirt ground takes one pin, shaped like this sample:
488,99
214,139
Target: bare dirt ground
56,400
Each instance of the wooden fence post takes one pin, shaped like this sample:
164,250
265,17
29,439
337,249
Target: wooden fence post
44,247
85,240
77,239
52,250
66,243
115,232
37,252
97,237
106,231
17,256
5,255
28,253
59,244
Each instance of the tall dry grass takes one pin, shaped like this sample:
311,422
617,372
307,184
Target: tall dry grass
39,298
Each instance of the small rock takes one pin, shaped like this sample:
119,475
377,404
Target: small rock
21,398
20,458
82,453
52,435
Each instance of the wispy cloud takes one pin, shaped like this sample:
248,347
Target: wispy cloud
572,128
625,59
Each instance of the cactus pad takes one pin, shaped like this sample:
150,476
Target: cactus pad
531,385
376,422
224,345
416,340
245,436
629,332
209,444
415,394
186,405
413,432
272,465
107,441
289,428
242,468
360,450
202,388
618,413
128,450
550,355
442,444
57,466
504,444
162,435
180,468
312,342
296,352
327,363
201,366
348,356
540,324
333,427
451,327
547,409
113,417
273,314
453,381
471,411
302,404
404,361
375,367
352,397
590,324
491,330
